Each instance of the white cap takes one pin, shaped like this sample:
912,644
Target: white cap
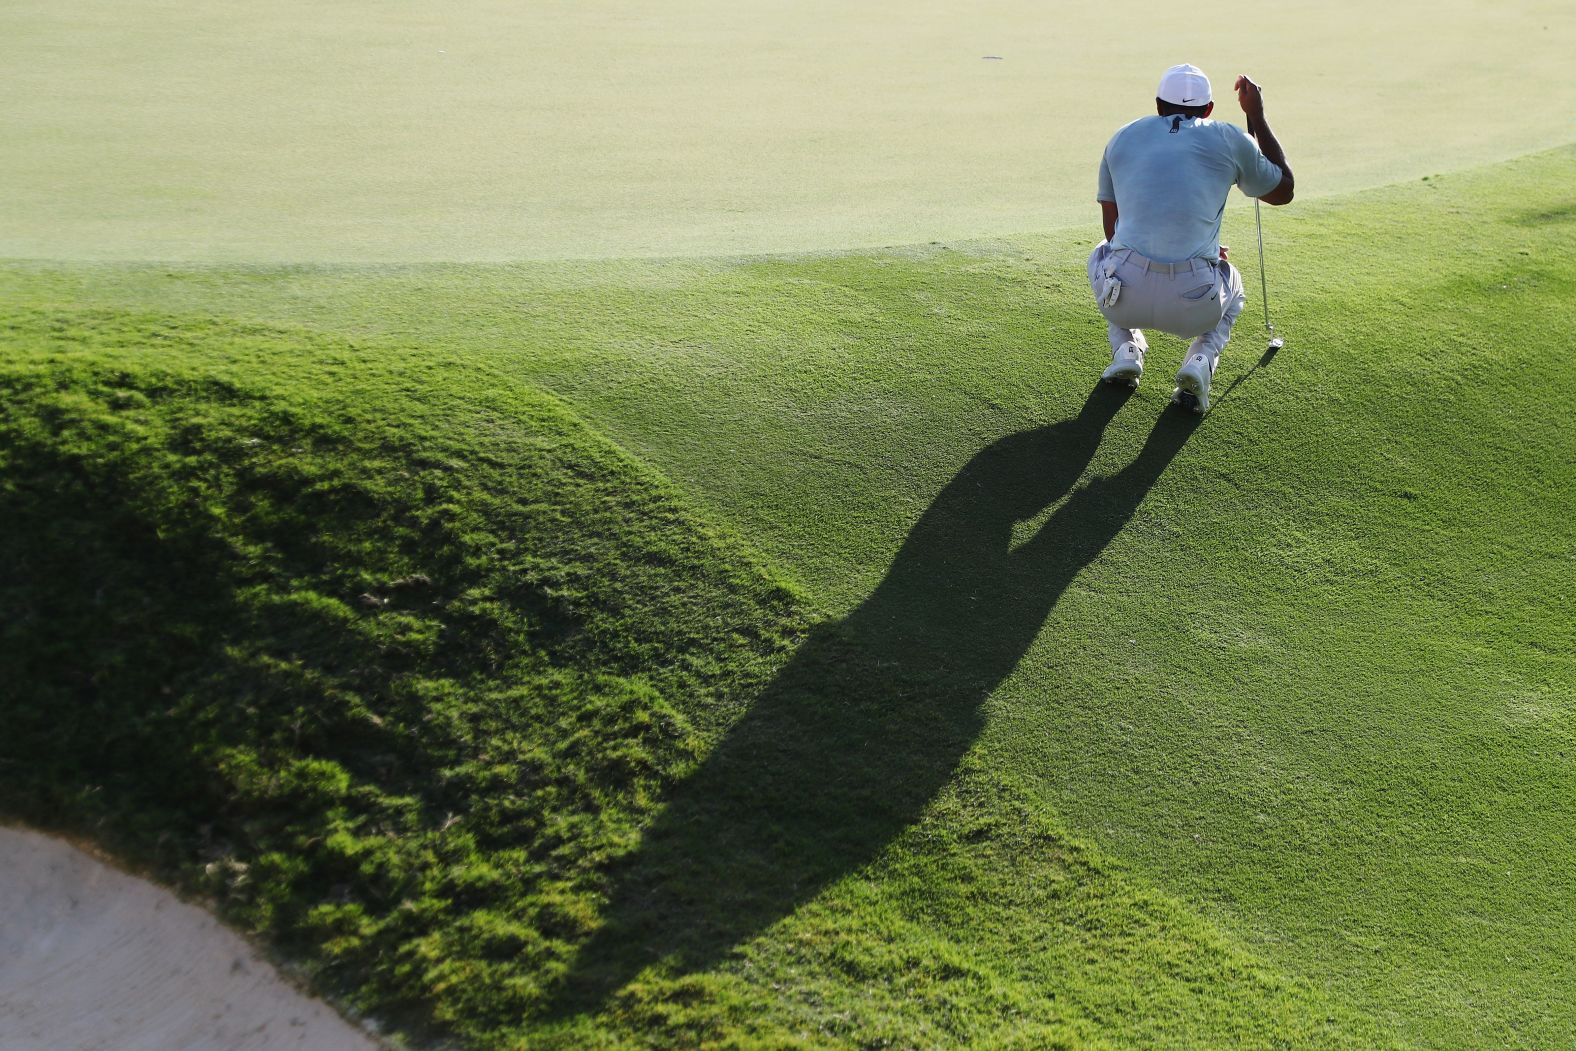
1184,85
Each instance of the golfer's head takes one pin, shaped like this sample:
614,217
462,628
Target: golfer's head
1184,90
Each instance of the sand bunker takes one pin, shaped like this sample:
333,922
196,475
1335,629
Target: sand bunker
93,958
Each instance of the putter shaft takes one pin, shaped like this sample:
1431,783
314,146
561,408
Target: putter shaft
1264,286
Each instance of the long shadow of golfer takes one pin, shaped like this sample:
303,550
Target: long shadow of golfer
867,722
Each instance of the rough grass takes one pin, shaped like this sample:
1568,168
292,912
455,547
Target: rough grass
390,674
1304,668
445,699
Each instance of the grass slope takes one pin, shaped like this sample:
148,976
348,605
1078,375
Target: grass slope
400,664
1306,667
392,688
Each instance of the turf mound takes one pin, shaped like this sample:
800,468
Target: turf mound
465,713
1316,684
381,695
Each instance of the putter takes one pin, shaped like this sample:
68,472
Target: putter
1276,342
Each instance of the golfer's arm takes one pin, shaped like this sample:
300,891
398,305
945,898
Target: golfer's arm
1108,217
1282,194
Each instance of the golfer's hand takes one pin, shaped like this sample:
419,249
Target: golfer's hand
1223,250
1251,98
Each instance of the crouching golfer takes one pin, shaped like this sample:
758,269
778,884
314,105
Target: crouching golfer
1163,187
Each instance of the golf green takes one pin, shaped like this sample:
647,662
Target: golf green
493,130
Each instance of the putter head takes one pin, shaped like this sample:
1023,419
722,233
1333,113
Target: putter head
1277,343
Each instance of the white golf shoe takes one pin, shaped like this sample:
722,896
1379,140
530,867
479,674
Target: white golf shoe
1127,365
1193,378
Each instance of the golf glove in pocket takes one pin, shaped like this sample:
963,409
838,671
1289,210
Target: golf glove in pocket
1110,290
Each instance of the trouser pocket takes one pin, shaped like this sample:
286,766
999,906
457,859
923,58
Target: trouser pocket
1197,307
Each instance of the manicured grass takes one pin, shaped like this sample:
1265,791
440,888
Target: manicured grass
1305,669
364,131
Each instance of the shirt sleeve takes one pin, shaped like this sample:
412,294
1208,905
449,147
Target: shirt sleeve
1257,175
1107,188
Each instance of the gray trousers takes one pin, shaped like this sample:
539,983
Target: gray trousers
1196,299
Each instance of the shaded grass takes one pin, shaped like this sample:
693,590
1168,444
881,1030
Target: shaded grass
1317,682
393,690
469,717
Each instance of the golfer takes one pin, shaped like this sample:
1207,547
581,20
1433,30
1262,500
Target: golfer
1163,187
